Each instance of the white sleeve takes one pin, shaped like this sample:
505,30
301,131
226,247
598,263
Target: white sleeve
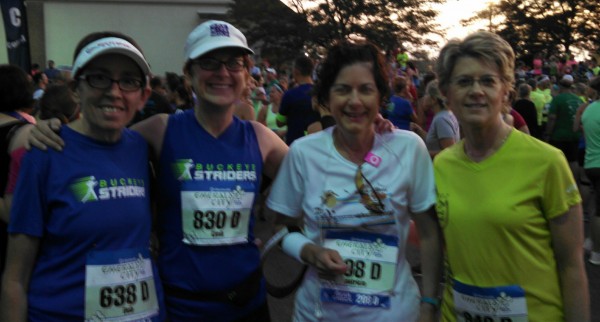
422,190
287,191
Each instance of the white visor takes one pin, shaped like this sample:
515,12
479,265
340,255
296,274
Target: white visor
110,45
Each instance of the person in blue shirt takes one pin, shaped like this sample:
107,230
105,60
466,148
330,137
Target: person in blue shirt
209,167
399,110
80,219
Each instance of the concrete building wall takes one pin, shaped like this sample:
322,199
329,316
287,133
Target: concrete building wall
160,27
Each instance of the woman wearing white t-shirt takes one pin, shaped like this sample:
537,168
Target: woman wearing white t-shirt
356,192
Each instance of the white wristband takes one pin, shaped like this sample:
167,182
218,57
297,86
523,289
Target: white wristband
293,243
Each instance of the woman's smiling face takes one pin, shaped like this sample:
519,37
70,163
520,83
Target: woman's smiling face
221,87
476,93
108,111
354,98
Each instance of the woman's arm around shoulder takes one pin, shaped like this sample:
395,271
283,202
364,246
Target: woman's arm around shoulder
153,130
45,134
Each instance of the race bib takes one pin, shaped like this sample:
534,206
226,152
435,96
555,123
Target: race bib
218,216
119,286
371,260
489,304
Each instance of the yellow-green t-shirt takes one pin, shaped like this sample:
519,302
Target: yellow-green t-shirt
494,215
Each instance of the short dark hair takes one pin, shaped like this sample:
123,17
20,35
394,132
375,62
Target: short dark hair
173,80
58,101
16,89
37,78
400,84
304,65
346,53
155,82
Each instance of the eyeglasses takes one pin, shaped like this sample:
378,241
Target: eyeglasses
99,81
371,198
484,81
212,64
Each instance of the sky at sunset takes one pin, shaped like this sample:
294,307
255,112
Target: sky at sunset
450,15
453,11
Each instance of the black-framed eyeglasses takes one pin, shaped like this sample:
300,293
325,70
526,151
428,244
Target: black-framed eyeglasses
212,64
99,81
371,198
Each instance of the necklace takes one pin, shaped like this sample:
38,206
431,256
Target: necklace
478,155
355,155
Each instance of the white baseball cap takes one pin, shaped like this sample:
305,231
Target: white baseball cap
568,78
109,45
214,34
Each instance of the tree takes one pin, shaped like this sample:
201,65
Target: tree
313,25
385,23
542,26
276,30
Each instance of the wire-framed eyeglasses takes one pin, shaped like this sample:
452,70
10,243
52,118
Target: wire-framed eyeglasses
488,81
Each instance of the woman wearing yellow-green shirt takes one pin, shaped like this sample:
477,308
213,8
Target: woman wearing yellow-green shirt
507,202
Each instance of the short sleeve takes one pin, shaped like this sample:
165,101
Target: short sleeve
560,189
29,206
444,129
422,191
285,104
287,191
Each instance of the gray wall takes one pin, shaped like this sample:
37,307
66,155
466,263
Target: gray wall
160,27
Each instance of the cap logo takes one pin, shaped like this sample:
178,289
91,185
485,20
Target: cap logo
219,30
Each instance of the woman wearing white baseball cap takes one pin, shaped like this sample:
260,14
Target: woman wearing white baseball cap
80,220
209,168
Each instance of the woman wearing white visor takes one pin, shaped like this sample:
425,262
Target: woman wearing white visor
80,220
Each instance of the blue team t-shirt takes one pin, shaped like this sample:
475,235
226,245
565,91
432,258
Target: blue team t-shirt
201,178
91,197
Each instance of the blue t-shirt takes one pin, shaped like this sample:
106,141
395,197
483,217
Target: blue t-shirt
399,112
92,197
201,178
296,106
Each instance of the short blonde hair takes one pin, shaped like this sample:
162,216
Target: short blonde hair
482,45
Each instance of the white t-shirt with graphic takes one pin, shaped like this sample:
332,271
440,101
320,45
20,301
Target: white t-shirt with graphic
364,213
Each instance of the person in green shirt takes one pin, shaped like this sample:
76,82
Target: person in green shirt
559,130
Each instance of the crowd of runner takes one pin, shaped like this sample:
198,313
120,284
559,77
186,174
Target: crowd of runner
139,194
